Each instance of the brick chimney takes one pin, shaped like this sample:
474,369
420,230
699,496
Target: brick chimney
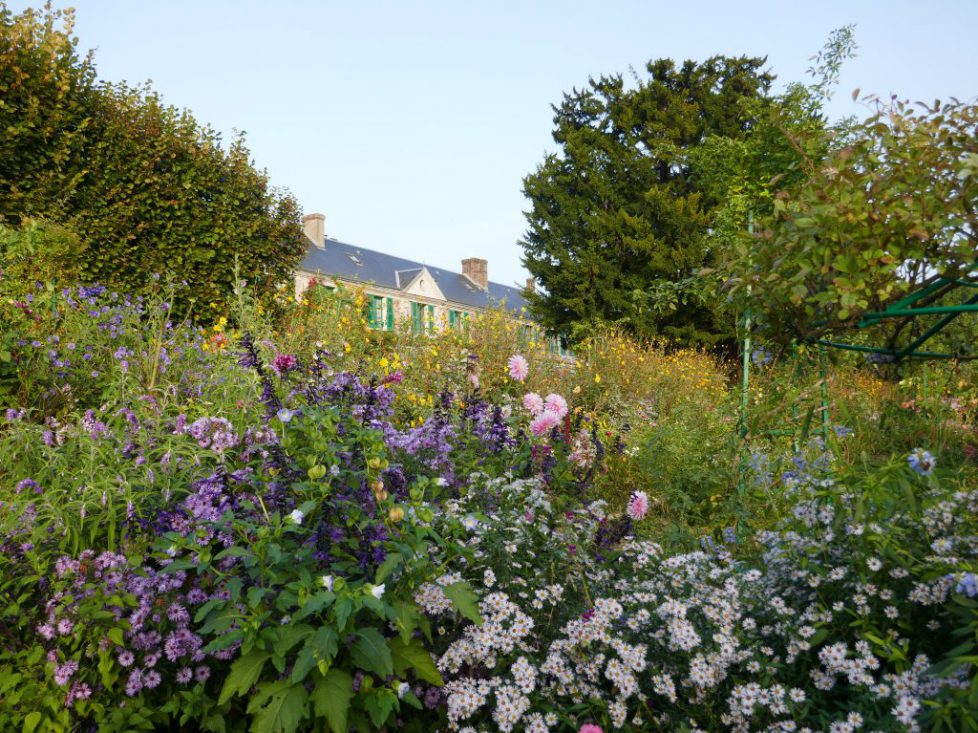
314,226
477,271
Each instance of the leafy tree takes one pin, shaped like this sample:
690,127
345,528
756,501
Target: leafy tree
163,196
46,92
891,209
147,188
618,225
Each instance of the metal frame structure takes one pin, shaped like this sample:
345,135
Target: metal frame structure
907,308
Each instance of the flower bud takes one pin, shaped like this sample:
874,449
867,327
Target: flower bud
396,514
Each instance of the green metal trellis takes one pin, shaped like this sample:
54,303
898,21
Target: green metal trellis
904,308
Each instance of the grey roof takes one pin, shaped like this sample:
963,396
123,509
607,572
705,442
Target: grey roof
358,264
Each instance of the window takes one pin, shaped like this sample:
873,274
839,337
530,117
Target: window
380,313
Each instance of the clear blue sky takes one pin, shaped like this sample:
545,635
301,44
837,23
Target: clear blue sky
411,125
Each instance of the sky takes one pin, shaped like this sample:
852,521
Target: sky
410,126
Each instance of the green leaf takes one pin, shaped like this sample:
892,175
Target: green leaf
31,721
243,675
407,618
343,609
371,652
388,567
331,699
322,600
465,600
320,648
414,656
284,711
380,704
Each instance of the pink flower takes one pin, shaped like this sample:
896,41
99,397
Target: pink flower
519,367
543,423
555,404
393,378
533,402
283,363
638,505
590,728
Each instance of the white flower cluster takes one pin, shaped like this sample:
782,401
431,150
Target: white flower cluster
695,641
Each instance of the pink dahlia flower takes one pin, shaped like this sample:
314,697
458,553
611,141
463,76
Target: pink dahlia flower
555,404
543,423
519,367
533,402
638,505
590,728
283,363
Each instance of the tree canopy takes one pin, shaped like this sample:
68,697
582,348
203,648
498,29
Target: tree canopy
890,208
619,223
147,188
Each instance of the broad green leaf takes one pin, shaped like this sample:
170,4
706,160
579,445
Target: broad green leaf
465,601
380,703
414,656
331,699
31,721
388,566
285,710
243,675
371,653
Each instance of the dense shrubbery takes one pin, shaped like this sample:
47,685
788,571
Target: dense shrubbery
222,531
144,186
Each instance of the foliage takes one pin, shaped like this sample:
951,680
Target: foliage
889,211
47,92
618,225
145,186
205,530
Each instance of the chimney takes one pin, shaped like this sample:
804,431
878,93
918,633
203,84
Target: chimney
531,284
314,226
477,271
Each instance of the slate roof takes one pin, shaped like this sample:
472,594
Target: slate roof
358,264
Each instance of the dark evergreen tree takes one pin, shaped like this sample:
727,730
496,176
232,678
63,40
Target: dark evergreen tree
618,225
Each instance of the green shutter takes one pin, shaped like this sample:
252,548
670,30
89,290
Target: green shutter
390,314
430,321
416,324
375,317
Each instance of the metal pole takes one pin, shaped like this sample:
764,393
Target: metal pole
823,373
745,393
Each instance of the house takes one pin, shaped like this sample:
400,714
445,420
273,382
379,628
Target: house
400,290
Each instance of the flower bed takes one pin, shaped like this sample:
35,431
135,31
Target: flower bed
243,538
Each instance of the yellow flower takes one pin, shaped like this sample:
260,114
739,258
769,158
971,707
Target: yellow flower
597,379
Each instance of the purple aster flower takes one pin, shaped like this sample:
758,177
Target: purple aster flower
126,658
184,675
135,683
65,672
202,673
151,679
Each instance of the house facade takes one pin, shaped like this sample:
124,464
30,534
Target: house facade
403,291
